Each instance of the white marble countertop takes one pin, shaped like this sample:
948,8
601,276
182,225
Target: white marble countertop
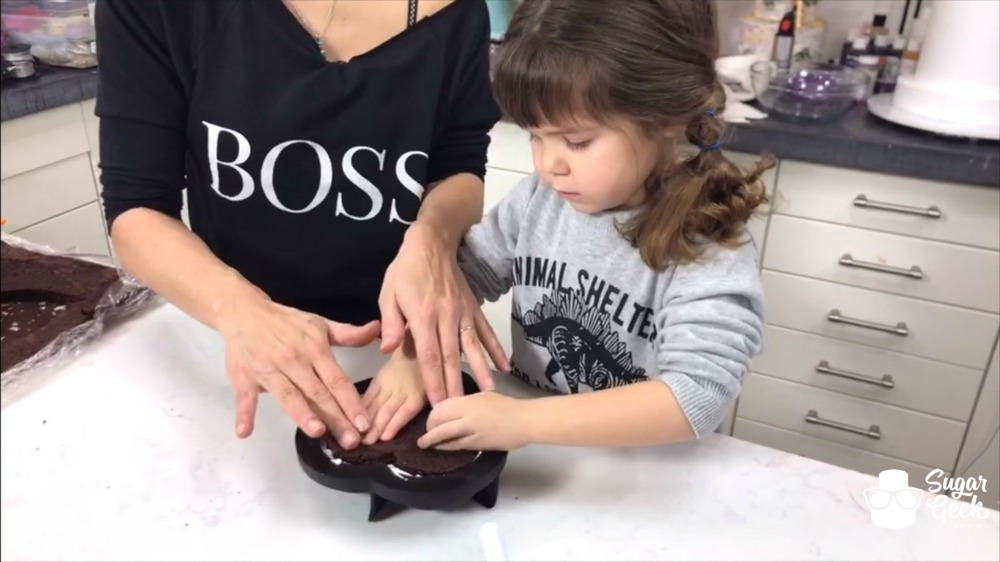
128,453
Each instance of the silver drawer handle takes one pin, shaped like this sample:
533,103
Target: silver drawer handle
899,329
873,431
914,272
932,212
886,381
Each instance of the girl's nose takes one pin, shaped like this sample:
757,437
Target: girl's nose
550,162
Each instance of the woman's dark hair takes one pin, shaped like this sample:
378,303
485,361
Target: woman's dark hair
652,62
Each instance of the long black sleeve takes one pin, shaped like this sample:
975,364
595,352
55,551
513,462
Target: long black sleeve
142,105
472,110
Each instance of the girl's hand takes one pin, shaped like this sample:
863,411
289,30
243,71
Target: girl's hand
395,395
485,421
425,292
285,351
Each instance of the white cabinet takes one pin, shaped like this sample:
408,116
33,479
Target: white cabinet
40,139
902,265
882,308
78,231
925,209
47,191
864,424
981,450
917,327
823,450
48,182
869,372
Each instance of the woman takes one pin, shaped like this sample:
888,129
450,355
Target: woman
305,133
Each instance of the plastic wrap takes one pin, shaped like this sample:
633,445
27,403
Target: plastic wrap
122,298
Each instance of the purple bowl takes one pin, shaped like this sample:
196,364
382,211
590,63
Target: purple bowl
815,84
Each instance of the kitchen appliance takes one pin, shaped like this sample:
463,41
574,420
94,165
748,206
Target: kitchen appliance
478,481
18,63
955,89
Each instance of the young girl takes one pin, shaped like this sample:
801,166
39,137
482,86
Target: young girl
632,273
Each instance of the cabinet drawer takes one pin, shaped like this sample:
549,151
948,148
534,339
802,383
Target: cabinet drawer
499,183
80,230
40,194
826,451
510,148
945,273
41,139
968,214
934,331
908,435
919,384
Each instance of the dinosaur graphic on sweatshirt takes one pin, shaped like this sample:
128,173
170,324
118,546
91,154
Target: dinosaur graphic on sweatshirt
581,342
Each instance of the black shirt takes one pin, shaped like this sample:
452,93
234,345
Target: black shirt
302,174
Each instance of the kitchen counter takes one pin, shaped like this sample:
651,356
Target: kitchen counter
128,453
862,141
53,87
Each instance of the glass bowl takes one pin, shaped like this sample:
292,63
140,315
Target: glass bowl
810,92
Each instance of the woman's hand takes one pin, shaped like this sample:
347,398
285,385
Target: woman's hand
287,352
485,421
425,291
395,396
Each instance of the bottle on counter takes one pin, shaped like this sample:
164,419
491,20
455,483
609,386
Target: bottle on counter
893,58
784,42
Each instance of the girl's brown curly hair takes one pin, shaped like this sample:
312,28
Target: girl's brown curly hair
653,62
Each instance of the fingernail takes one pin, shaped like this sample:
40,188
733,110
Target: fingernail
241,429
361,423
348,439
315,427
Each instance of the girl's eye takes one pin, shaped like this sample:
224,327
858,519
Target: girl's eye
578,145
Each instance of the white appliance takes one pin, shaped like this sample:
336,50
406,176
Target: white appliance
956,87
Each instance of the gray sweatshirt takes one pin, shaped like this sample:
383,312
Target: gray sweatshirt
589,314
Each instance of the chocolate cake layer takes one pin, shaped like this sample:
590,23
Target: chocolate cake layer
403,452
43,296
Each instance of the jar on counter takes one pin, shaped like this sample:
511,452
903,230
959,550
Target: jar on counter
871,65
18,61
